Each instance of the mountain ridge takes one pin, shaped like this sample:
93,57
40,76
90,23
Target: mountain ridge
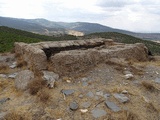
46,27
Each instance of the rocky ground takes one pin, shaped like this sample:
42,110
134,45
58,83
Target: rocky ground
115,90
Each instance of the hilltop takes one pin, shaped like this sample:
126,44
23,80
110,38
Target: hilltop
93,79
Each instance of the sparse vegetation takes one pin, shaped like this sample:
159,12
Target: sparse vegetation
36,85
149,86
14,115
44,95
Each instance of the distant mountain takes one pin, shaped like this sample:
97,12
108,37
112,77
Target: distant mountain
46,27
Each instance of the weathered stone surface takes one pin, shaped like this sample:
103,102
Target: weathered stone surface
107,95
2,115
12,76
90,94
98,113
68,58
35,57
124,92
4,100
100,93
3,76
84,84
71,62
112,106
23,78
86,104
73,105
68,92
129,76
157,80
121,97
50,77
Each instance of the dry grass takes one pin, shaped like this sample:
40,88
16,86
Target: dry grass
149,86
36,85
21,64
15,116
44,95
128,115
3,67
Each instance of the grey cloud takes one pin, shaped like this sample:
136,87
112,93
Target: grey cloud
114,3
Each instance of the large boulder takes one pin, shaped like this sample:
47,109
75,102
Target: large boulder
23,78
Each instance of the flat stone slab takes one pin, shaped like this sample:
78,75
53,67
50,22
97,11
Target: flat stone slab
112,106
90,94
68,92
96,113
86,104
121,97
73,105
13,76
157,80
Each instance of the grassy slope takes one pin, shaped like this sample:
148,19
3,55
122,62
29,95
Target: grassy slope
9,35
123,38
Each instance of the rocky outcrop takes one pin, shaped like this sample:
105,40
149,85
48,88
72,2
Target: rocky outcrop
68,57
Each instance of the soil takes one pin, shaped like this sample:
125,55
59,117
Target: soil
94,87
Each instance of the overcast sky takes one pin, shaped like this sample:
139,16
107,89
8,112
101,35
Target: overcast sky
133,15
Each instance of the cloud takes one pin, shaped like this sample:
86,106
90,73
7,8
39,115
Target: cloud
114,3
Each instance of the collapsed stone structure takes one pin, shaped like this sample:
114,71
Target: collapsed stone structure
70,57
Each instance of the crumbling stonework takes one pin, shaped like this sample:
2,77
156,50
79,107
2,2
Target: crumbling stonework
68,57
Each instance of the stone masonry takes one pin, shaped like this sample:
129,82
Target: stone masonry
71,57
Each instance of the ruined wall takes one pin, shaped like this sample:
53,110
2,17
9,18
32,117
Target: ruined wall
71,57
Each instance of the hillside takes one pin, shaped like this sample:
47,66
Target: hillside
99,83
46,27
10,35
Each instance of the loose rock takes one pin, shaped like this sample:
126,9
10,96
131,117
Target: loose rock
14,65
98,113
83,110
112,106
3,76
68,92
86,104
100,93
124,92
157,80
12,76
50,77
73,106
4,100
128,76
23,78
121,97
107,95
84,84
90,94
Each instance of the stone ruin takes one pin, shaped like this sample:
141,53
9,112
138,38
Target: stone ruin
72,57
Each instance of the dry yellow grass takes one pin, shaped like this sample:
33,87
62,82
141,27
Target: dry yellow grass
36,85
